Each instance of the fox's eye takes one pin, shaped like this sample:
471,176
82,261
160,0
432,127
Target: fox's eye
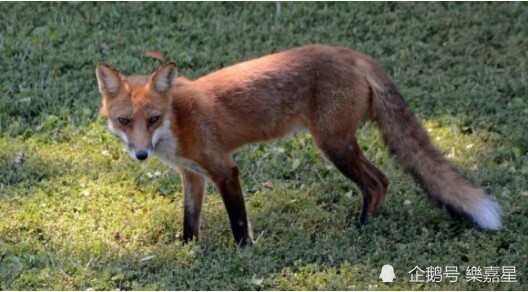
153,120
124,121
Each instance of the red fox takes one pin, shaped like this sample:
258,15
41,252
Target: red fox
194,126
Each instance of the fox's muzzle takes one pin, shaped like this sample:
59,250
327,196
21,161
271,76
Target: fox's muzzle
140,154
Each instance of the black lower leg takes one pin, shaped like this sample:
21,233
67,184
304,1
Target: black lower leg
191,225
234,202
239,223
348,161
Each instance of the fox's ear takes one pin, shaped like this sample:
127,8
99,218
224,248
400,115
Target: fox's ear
108,79
161,81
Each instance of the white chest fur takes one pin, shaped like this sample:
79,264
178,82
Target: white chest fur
166,150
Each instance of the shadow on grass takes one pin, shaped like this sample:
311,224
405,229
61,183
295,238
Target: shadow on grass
23,170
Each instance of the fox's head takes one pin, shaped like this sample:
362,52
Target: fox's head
138,108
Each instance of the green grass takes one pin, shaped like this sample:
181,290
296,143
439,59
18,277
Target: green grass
78,213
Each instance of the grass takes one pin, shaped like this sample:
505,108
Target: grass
77,213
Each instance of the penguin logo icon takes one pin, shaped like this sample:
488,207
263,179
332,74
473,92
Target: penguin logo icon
387,274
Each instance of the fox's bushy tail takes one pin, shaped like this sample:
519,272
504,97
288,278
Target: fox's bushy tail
410,143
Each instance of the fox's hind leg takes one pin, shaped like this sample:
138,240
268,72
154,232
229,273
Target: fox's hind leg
339,104
346,155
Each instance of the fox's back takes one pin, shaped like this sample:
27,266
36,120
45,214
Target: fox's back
295,66
277,93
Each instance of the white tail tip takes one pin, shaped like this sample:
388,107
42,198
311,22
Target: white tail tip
488,215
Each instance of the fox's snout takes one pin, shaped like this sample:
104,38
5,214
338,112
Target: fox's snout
140,154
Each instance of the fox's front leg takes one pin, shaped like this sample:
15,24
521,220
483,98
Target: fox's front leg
225,176
193,193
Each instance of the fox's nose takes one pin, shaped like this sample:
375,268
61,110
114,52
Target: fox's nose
141,155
